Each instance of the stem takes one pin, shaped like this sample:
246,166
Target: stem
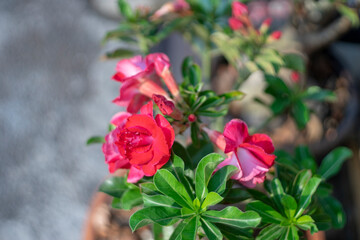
157,231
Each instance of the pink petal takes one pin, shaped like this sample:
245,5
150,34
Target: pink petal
136,103
166,128
216,137
135,175
149,87
235,132
129,67
263,141
235,24
147,109
239,9
259,154
119,119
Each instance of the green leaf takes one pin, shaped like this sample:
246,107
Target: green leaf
213,113
306,223
211,231
211,199
318,94
166,183
115,186
332,162
148,188
178,170
303,156
300,113
266,66
305,197
294,62
290,206
233,217
125,9
276,86
197,151
350,13
176,235
204,171
211,102
232,233
279,105
290,233
272,231
181,151
278,193
335,210
218,181
95,139
190,230
120,53
161,215
267,213
300,181
195,131
159,200
195,74
198,103
232,96
186,64
130,199
236,195
259,196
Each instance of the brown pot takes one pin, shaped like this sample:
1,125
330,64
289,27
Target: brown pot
316,236
106,223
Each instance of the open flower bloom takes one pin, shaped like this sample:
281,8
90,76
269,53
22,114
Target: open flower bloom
251,154
139,143
140,79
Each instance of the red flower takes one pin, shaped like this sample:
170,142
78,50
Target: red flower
295,76
139,143
276,35
167,107
239,9
139,80
251,154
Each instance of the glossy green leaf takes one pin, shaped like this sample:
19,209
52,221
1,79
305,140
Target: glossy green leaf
194,74
300,181
176,235
211,199
198,151
194,132
218,181
332,162
295,62
161,215
304,157
167,183
300,113
259,196
115,186
199,102
149,188
276,86
267,213
236,195
232,96
279,105
350,13
305,222
178,170
204,171
190,229
233,233
305,197
95,139
289,205
211,231
335,210
182,152
233,217
213,113
120,53
273,231
291,232
130,199
318,94
125,9
211,102
159,200
278,193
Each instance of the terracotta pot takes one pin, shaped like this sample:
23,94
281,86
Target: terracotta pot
316,236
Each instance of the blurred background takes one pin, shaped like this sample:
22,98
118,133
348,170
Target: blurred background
56,92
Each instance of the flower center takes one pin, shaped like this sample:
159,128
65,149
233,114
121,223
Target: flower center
134,140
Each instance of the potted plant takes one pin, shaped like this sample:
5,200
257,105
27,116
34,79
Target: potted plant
190,172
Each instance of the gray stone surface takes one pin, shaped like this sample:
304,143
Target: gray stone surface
54,94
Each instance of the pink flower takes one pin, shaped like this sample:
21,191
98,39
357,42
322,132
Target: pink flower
167,107
139,143
251,154
140,79
239,9
295,76
276,35
192,118
177,6
235,24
